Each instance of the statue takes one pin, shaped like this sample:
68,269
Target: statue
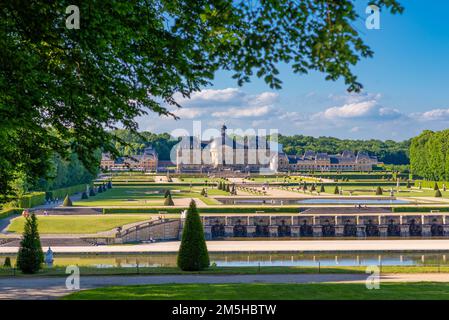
49,257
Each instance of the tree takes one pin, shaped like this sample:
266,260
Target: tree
67,201
167,193
438,194
322,189
336,190
62,85
92,192
110,185
30,256
7,263
84,195
408,184
193,255
435,186
379,191
169,201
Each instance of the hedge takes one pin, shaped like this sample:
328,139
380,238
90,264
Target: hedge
430,184
37,198
9,212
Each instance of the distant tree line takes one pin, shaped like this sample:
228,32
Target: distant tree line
129,143
429,155
389,151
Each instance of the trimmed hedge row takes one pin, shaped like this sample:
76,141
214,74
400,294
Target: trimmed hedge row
34,199
9,212
430,184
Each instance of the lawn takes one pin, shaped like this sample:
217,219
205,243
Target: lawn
143,196
77,224
268,291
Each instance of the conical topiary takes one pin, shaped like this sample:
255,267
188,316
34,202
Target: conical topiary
336,190
110,185
379,191
408,184
435,187
84,195
92,192
169,201
167,193
30,256
438,194
322,189
193,255
7,263
67,201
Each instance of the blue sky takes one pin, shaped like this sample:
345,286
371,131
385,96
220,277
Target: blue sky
406,88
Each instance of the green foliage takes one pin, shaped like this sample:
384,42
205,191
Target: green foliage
67,201
429,155
67,87
193,255
92,192
84,195
322,189
167,193
109,185
169,201
389,151
30,256
438,194
435,187
408,184
379,191
336,190
7,263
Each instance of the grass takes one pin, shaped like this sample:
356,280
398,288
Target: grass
139,195
77,224
59,271
268,291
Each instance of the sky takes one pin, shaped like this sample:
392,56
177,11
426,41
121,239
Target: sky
406,88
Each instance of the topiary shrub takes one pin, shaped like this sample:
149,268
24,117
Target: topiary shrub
30,256
193,255
435,187
379,191
336,190
100,189
84,195
408,184
110,185
92,192
7,263
167,193
322,189
169,201
438,194
67,201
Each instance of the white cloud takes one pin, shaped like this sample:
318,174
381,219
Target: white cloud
368,110
243,112
188,113
432,115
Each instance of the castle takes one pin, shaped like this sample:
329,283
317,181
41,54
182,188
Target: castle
257,154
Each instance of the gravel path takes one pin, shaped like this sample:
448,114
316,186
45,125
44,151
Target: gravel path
54,287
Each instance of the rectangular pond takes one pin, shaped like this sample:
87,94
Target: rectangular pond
256,259
351,201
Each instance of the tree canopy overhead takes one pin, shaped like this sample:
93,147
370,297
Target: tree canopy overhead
62,89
